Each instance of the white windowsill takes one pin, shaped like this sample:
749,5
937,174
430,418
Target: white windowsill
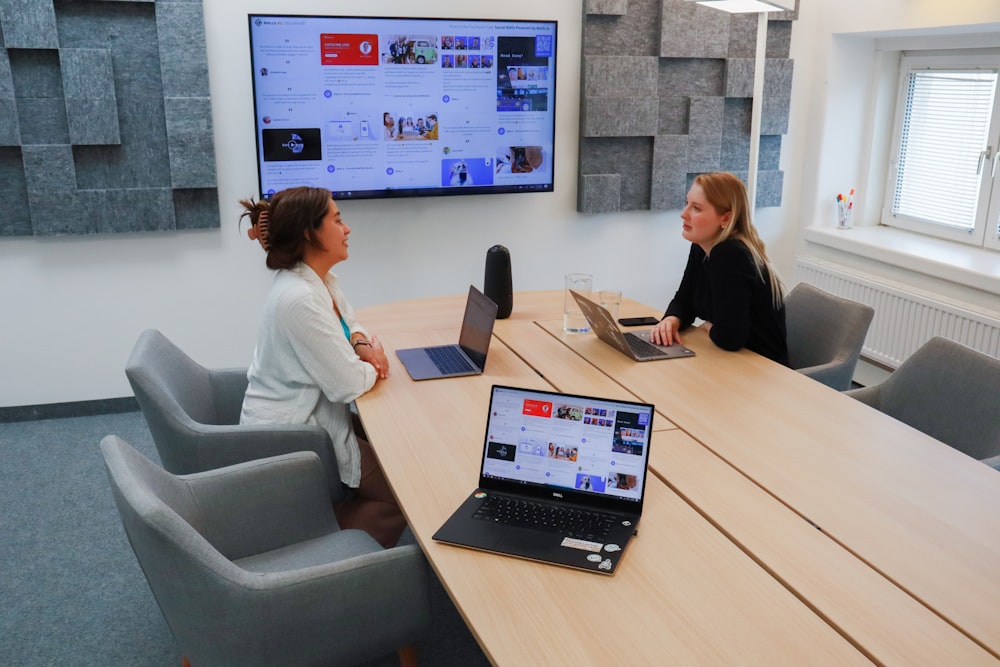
965,265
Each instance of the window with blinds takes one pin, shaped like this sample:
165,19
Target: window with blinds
944,168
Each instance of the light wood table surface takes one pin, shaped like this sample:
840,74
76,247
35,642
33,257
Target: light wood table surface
923,515
685,594
904,562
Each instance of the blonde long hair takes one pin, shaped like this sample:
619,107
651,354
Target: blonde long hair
726,194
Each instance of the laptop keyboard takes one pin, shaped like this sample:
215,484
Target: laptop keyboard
449,360
641,347
581,524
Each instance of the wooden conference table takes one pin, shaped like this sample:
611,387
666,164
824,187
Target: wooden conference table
787,524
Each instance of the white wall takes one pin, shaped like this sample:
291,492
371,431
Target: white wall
73,307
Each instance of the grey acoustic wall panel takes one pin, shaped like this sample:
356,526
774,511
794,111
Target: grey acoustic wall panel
89,88
610,7
105,117
688,31
10,130
667,87
28,24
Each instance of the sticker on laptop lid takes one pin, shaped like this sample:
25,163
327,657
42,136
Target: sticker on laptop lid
480,494
584,545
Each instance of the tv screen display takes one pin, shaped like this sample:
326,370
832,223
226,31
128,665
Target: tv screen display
392,107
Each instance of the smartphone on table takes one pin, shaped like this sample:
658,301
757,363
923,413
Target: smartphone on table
638,321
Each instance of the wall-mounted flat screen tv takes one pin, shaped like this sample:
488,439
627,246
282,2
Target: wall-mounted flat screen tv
393,107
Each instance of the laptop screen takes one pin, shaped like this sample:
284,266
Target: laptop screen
568,445
477,326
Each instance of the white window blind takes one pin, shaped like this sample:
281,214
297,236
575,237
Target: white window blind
943,146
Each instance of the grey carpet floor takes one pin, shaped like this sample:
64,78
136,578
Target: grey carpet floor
71,591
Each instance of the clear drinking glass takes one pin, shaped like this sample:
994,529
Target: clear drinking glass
573,319
610,299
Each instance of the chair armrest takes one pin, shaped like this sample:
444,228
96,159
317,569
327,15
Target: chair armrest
868,395
993,462
264,504
832,374
351,609
229,385
219,446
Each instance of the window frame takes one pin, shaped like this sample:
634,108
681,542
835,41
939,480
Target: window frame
988,206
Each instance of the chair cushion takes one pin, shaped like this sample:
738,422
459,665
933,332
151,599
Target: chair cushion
337,546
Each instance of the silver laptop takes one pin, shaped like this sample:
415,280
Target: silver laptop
468,356
562,479
636,345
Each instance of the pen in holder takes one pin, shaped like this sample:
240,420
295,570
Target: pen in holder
844,207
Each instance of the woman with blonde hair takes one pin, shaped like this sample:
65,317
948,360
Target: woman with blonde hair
728,281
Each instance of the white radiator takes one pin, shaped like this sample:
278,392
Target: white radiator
905,318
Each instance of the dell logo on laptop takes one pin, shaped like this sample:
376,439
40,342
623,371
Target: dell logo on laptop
557,495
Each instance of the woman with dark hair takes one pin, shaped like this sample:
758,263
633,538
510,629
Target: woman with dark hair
312,357
728,281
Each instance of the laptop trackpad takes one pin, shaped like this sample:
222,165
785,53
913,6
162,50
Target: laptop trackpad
418,363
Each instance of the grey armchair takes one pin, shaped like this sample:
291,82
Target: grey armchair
249,567
193,414
950,392
825,334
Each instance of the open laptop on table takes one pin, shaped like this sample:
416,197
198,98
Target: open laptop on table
634,344
468,356
562,479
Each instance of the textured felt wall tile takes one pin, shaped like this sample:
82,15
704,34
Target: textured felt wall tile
619,76
631,157
693,77
704,150
42,120
196,208
13,194
92,122
620,117
49,169
189,141
147,209
87,73
769,184
180,33
669,175
61,214
35,73
6,78
600,193
688,30
89,86
774,117
28,24
635,33
612,7
10,129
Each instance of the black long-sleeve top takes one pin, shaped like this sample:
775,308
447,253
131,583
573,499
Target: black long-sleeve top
724,288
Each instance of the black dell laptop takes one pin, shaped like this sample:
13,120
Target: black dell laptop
562,479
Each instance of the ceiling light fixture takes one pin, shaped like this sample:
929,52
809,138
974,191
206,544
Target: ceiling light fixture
748,6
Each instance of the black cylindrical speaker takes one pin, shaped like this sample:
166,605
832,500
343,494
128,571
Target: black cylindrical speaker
497,283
